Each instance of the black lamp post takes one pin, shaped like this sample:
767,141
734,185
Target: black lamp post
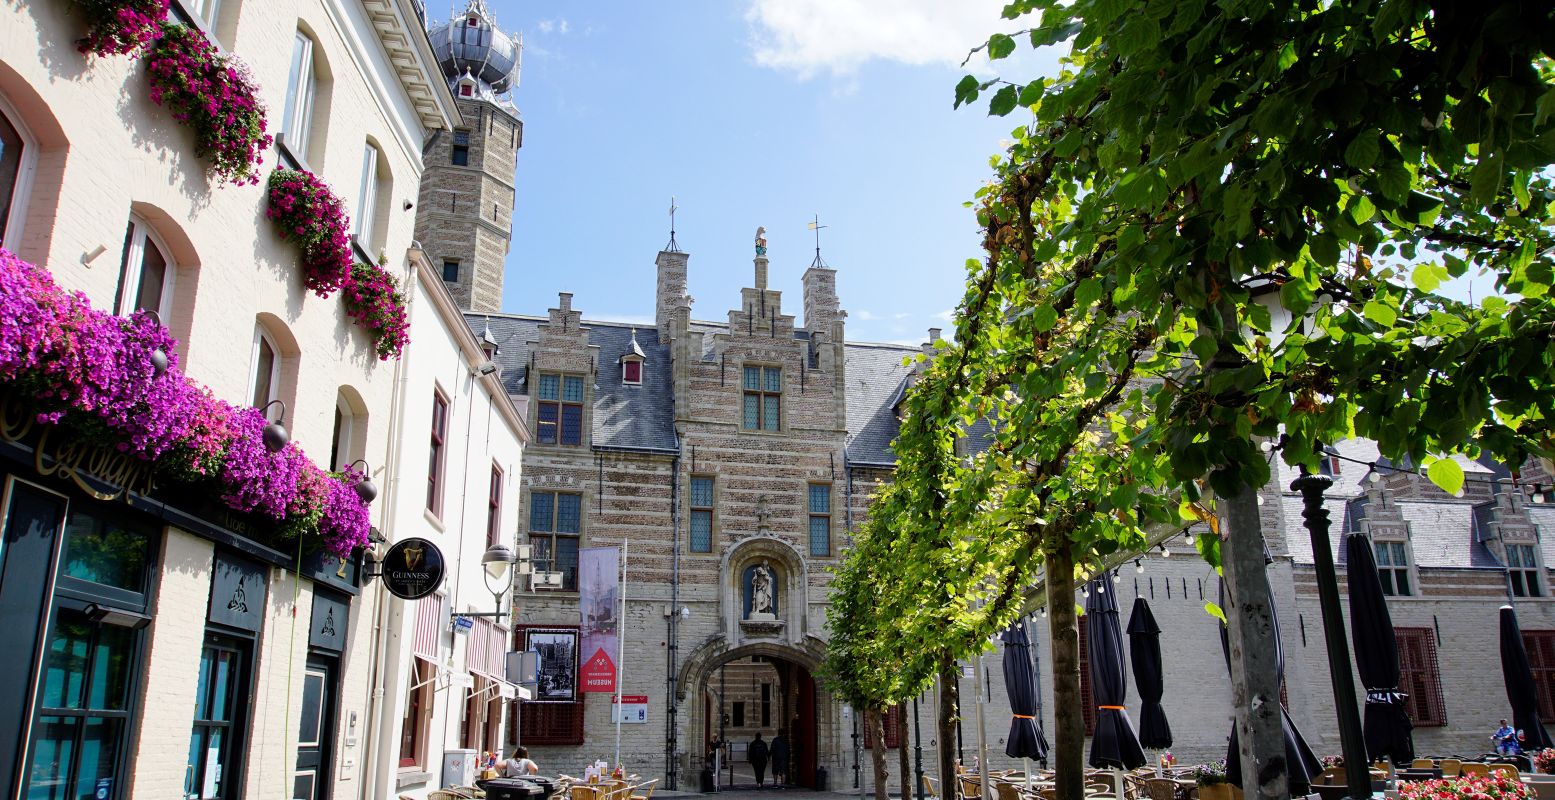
1352,743
917,747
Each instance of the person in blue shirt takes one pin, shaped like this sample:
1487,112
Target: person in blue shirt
1505,739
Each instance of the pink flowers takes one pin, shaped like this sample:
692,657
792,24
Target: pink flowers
1544,760
309,215
373,299
116,27
215,96
91,372
1495,786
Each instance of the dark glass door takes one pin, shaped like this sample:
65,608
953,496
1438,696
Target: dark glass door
316,729
33,518
83,712
220,714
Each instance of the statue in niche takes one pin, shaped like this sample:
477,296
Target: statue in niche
761,593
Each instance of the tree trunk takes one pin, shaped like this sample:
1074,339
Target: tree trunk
876,723
1255,688
949,698
1069,747
901,751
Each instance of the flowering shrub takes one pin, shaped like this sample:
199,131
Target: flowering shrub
310,216
373,299
1329,762
214,95
1495,786
92,372
1544,761
1210,774
116,27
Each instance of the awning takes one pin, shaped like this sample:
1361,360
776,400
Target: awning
428,635
485,649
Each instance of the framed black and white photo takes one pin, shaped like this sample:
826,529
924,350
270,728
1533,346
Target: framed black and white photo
558,673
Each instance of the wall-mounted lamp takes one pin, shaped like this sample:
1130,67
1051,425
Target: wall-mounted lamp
159,361
365,488
275,434
98,615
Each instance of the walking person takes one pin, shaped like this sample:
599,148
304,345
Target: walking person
756,753
780,758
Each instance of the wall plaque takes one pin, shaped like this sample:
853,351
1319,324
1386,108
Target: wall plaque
413,568
238,590
331,618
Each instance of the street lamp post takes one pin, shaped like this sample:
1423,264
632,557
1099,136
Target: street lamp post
917,747
1352,743
498,568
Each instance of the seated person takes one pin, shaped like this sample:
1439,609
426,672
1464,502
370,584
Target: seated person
519,765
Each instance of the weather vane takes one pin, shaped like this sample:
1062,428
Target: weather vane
815,225
672,247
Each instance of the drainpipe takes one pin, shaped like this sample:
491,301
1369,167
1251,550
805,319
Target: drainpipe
670,701
374,758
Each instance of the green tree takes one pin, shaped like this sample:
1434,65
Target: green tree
1222,224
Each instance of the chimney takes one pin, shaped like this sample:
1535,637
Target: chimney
821,309
671,288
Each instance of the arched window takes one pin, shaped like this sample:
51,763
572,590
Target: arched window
18,157
307,98
220,18
350,435
266,381
370,222
273,371
146,272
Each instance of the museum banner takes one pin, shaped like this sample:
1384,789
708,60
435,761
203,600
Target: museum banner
598,568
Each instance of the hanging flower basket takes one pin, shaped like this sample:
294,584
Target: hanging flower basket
92,373
117,27
373,299
215,96
310,216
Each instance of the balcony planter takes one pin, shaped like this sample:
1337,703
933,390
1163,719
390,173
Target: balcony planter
215,96
117,27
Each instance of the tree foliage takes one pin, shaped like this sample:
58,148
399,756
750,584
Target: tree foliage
1220,223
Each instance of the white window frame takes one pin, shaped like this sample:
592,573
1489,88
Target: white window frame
301,91
260,336
367,197
344,438
207,10
641,364
11,233
140,235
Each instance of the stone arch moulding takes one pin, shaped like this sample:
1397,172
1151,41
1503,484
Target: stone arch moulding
716,651
791,580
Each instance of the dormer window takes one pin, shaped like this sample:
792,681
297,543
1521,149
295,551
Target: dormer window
632,363
466,90
473,22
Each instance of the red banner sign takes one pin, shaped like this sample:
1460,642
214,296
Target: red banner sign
598,568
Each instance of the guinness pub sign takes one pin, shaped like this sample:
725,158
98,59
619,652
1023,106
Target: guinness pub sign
412,569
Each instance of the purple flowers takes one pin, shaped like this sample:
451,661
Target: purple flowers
213,94
116,27
309,215
92,372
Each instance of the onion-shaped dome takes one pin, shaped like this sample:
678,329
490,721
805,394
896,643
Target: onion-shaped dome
470,46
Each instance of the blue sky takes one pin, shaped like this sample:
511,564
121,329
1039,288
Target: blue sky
759,112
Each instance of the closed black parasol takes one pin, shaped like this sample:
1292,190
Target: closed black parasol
1026,739
1114,744
1144,651
1520,690
1387,726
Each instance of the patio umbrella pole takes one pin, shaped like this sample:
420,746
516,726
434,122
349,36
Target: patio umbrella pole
1357,770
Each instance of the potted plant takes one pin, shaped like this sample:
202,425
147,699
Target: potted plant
1495,786
1211,779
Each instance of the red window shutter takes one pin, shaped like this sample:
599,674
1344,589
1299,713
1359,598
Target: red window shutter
1541,658
544,722
1087,703
893,728
1419,676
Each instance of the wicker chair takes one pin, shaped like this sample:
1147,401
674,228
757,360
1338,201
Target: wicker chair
1510,770
1161,789
928,788
1004,790
643,791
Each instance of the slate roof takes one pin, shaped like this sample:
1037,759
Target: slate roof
876,380
624,415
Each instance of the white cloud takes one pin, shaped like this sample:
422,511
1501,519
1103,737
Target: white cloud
550,25
809,36
866,315
947,315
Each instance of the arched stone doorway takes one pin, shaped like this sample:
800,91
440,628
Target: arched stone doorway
716,678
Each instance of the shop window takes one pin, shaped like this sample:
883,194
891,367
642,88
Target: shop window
701,514
820,519
1393,568
763,398
1419,677
1523,570
301,89
560,417
217,744
555,522
494,507
18,154
435,465
145,273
